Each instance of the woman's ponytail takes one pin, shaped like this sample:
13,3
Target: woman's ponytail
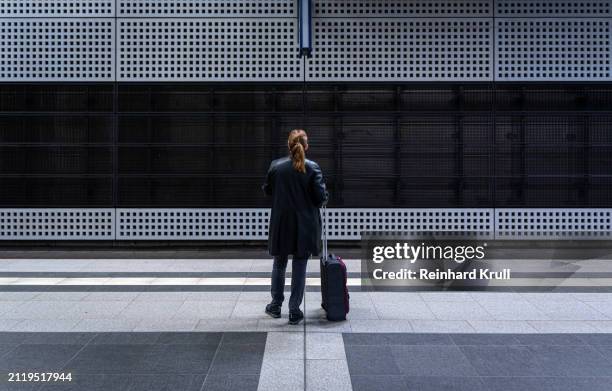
298,143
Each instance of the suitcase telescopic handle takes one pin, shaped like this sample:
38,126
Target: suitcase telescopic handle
324,231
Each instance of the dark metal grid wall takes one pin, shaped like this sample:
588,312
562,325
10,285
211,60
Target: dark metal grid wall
380,145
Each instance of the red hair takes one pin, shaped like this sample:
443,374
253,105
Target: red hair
298,142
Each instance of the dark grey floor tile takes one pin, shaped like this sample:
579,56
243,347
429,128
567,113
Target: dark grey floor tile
597,339
606,351
502,360
418,339
432,361
484,339
550,339
547,383
238,359
58,338
91,382
396,339
371,360
125,338
378,383
244,338
18,386
183,358
5,348
444,384
12,338
168,382
556,360
108,359
231,383
40,357
190,338
371,339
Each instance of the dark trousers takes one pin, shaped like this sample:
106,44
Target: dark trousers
298,280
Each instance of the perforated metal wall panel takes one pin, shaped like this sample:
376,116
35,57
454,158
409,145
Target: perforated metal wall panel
344,224
557,8
57,224
385,49
560,49
232,49
192,224
347,224
42,49
246,224
57,8
518,224
207,8
412,8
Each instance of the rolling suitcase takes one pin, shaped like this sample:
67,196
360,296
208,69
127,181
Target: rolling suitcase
334,292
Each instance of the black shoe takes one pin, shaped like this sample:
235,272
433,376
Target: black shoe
274,310
296,317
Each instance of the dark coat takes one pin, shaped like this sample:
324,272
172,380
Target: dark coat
295,222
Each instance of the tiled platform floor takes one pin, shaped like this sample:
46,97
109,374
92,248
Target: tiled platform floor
479,362
136,361
115,321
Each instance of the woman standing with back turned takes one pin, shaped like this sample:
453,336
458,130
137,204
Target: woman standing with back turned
298,191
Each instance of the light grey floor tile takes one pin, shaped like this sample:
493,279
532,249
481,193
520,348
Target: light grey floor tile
214,296
251,310
61,296
8,324
361,312
540,297
416,309
277,325
514,310
97,309
166,325
45,325
227,325
205,310
9,307
461,297
285,346
41,310
587,297
105,325
381,326
322,325
258,296
459,311
150,310
67,310
323,375
558,326
391,297
441,326
111,296
325,346
570,310
604,307
281,375
18,296
502,326
496,296
602,326
163,296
